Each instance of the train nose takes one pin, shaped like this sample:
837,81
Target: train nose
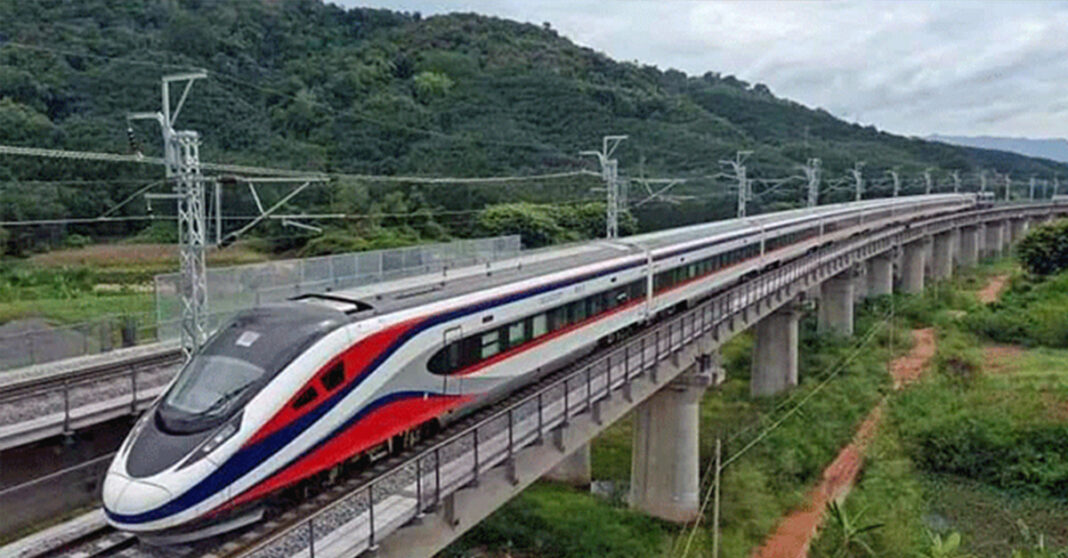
125,496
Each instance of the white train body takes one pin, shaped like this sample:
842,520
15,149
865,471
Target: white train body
288,391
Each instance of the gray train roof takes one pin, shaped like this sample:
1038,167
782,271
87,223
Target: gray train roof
393,296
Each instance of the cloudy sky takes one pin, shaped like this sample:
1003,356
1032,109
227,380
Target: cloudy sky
964,67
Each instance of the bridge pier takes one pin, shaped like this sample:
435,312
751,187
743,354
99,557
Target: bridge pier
969,245
942,263
1019,229
665,478
994,233
775,352
912,266
881,275
956,233
836,304
928,257
860,283
574,470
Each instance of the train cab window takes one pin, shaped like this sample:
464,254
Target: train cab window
303,399
539,326
490,344
334,377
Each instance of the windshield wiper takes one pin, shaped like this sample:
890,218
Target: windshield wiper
224,398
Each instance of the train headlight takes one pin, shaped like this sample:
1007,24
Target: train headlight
221,435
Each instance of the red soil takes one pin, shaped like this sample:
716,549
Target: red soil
795,533
992,289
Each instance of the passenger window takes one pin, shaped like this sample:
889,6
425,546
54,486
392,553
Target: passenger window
334,377
490,345
577,311
539,326
515,334
558,318
593,305
303,399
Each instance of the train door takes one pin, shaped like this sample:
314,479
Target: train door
452,337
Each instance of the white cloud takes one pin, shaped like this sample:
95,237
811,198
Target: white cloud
994,67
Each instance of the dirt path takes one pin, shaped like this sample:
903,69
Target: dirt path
795,533
993,289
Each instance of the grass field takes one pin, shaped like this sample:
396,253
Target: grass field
82,284
979,447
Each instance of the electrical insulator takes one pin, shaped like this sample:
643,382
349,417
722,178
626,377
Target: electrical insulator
135,148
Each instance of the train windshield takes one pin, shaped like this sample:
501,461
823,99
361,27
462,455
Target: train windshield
211,384
241,358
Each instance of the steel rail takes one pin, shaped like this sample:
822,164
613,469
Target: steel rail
64,381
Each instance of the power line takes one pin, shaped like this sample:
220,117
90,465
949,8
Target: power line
245,169
322,216
775,425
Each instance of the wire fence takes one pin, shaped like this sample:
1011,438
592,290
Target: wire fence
232,289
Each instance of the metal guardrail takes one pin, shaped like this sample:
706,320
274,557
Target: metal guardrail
420,483
64,383
236,288
426,478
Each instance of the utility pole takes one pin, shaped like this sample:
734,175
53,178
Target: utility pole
982,180
738,165
812,173
858,179
610,175
1056,186
1032,196
928,181
1008,185
956,182
181,150
897,181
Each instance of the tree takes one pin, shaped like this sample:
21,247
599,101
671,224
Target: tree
1044,250
430,85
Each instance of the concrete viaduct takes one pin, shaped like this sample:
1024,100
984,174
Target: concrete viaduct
422,505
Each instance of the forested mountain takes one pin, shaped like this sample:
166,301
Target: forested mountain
308,85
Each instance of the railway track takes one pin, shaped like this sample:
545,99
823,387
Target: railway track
61,380
102,542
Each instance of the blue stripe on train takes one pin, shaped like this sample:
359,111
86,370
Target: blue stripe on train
247,459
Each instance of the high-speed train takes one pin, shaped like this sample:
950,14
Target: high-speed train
289,391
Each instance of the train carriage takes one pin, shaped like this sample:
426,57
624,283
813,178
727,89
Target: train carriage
285,392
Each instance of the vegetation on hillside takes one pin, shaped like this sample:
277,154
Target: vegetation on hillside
309,85
974,452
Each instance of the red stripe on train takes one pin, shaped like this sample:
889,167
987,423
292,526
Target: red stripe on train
357,357
378,426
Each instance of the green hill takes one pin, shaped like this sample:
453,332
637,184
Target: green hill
306,85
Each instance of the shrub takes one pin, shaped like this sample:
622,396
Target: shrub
1045,249
552,520
957,356
158,232
77,241
1032,311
